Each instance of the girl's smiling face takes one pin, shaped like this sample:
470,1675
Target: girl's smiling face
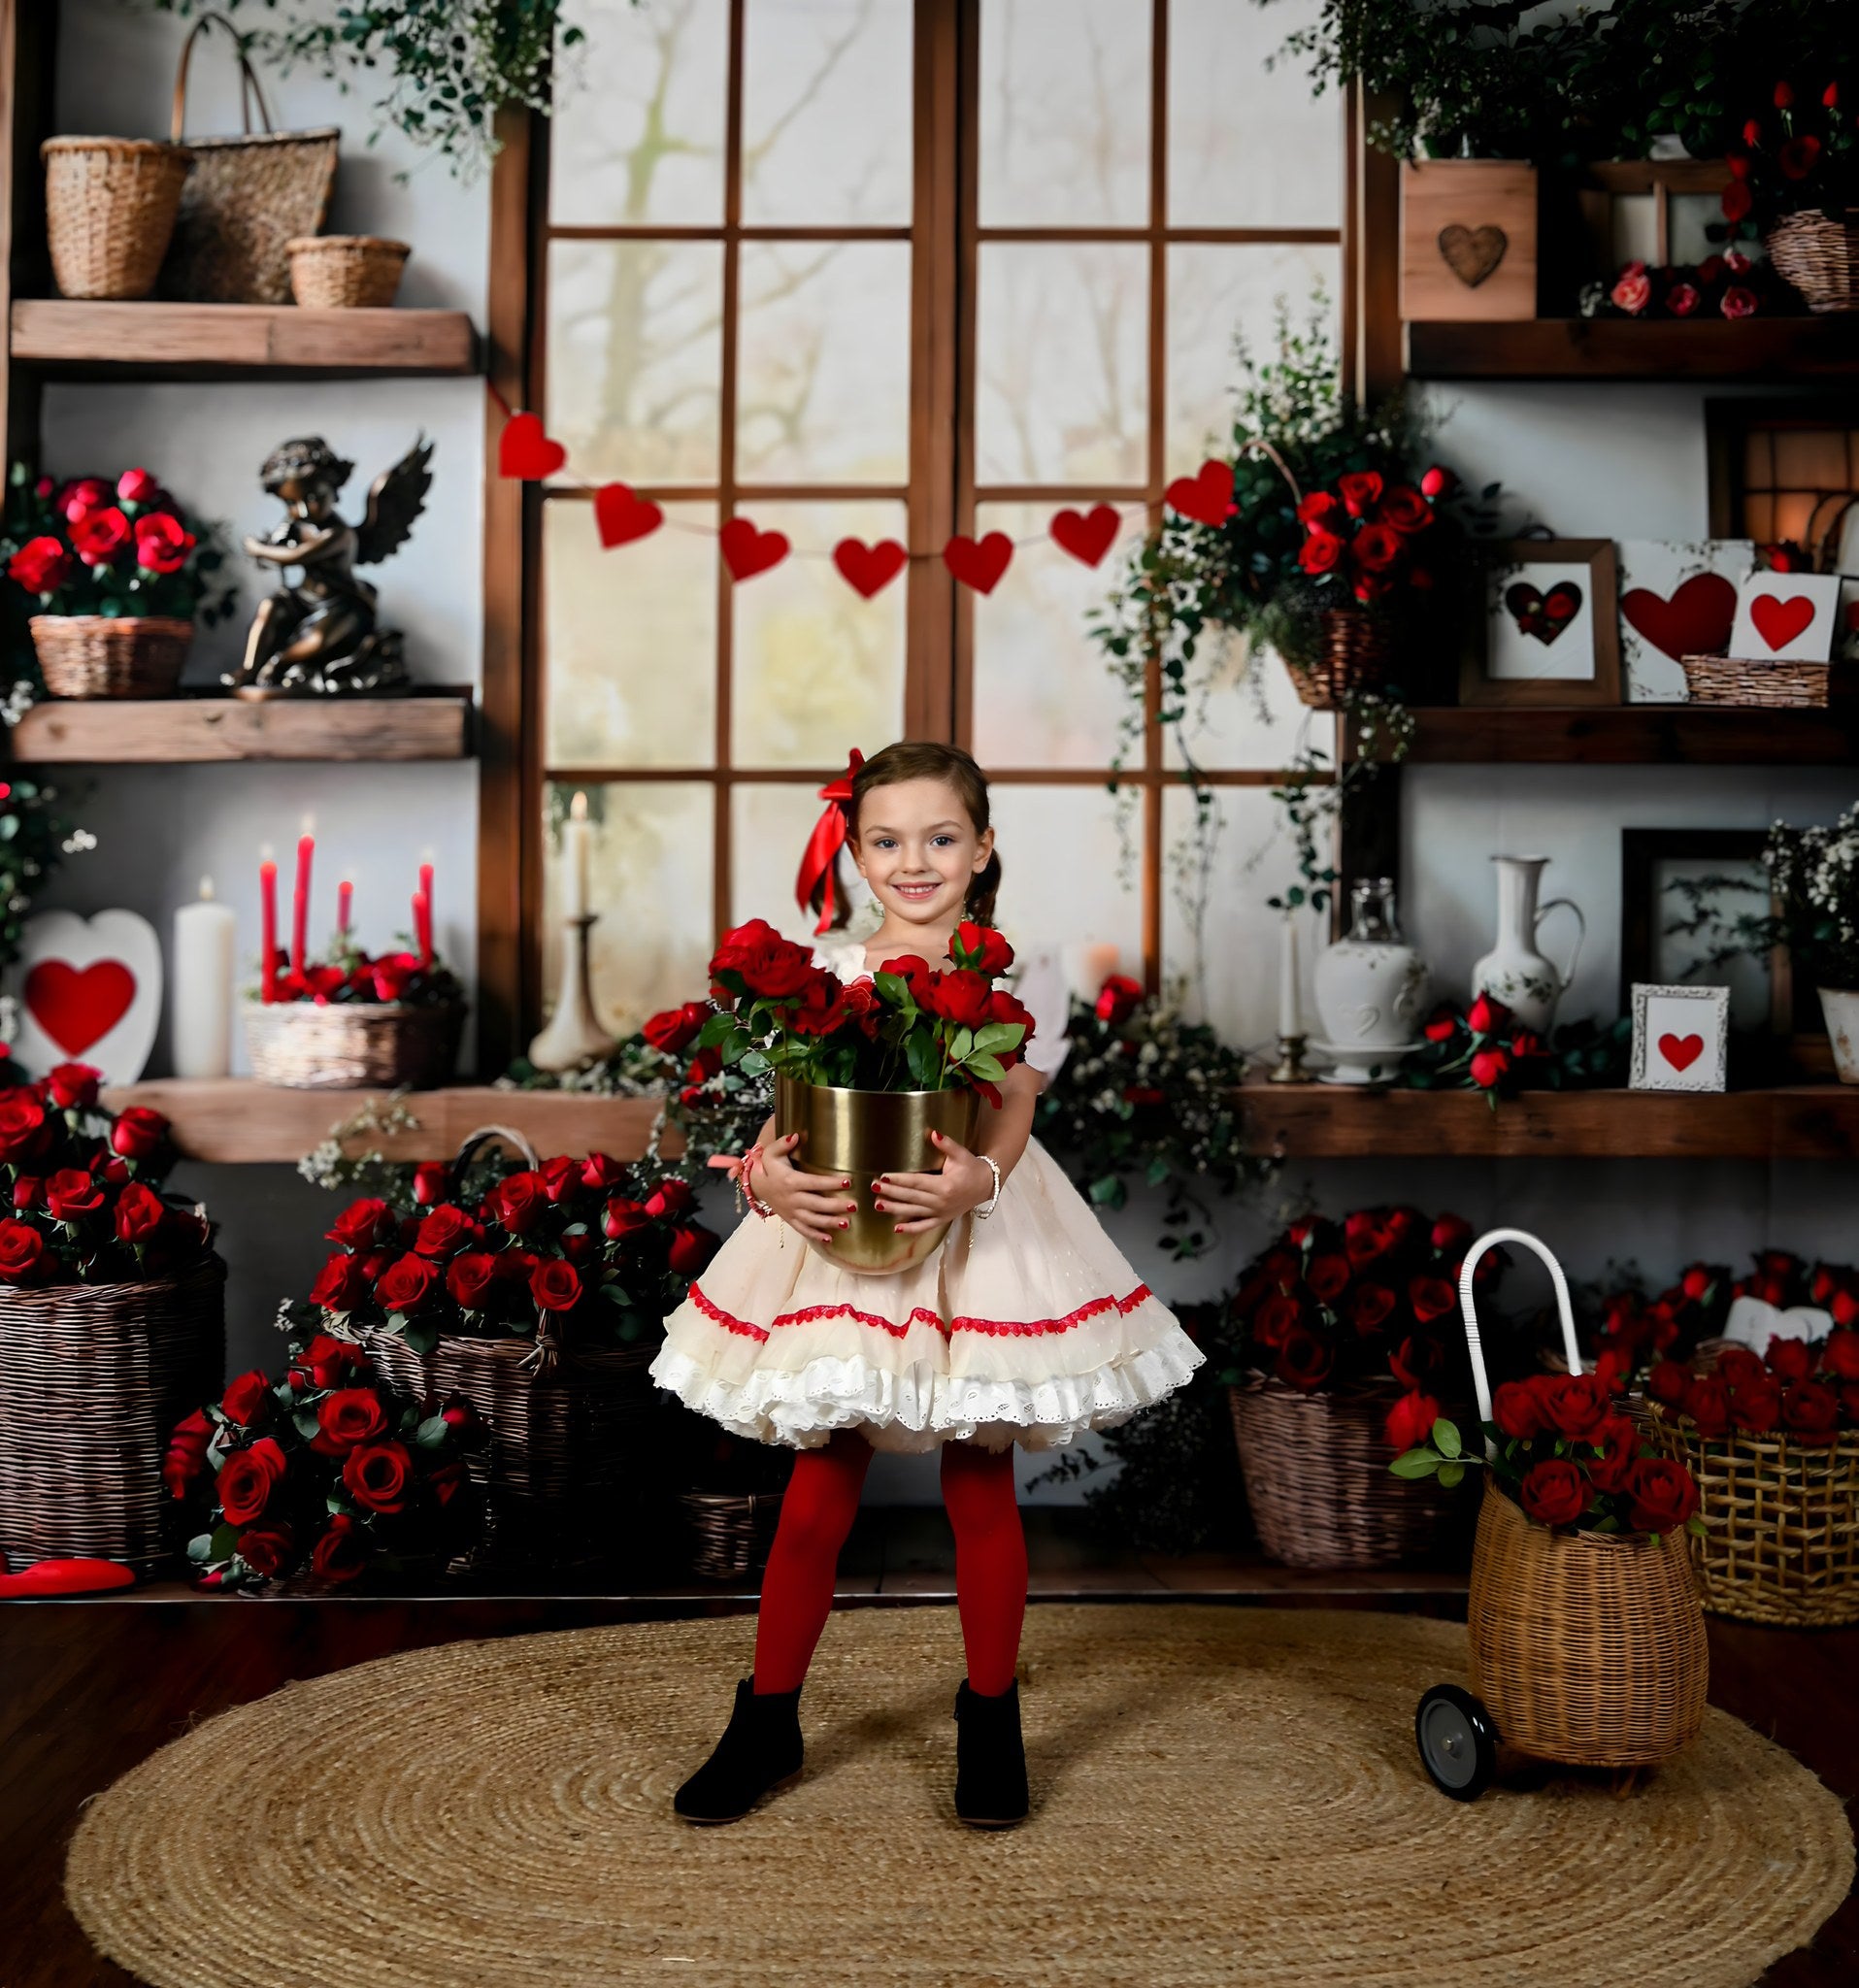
916,846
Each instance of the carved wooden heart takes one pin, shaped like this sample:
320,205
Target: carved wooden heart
1472,253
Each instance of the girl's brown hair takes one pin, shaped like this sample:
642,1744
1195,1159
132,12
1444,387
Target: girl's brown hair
927,759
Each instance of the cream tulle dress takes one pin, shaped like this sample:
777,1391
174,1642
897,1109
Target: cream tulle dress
1027,1327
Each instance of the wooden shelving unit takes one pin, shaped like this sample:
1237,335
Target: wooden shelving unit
72,337
1778,349
1635,735
178,731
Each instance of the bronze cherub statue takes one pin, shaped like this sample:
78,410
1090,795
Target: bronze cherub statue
322,636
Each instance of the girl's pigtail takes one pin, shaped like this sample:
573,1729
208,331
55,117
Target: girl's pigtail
984,888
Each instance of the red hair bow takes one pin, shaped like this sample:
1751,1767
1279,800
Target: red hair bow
823,846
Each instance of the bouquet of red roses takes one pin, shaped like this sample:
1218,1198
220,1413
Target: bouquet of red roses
581,1242
1798,154
1806,1390
909,1028
1564,1451
323,1471
83,1189
1369,537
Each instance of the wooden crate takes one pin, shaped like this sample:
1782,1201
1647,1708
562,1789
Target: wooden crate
1468,241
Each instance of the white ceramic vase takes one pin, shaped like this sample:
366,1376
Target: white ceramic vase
1841,1007
1516,971
1371,990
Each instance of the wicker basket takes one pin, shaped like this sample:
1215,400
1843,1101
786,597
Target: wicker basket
731,1532
1587,1648
309,1045
1781,1523
1819,257
111,655
1318,1479
346,271
1731,679
94,1378
109,210
1356,654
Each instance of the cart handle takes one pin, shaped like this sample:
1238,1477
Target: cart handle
1490,1241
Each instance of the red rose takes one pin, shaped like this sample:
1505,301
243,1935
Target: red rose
23,1125
1118,1000
41,566
1840,1354
669,1200
742,944
361,1224
23,1255
432,1182
1485,1017
1406,510
1317,506
1376,548
407,1284
1361,491
1663,1495
1369,1307
779,970
1417,1361
917,977
265,1549
1554,1492
329,1361
73,1086
446,1230
963,998
1697,1281
350,1415
98,535
341,1284
560,1176
1002,1007
80,495
555,1285
671,1030
1634,290
1514,1409
162,542
71,1194
1682,299
816,1011
392,975
601,1174
1438,482
1786,1359
1799,156
1303,1360
1739,301
1811,1412
1737,1365
141,1215
342,1553
1574,1403
624,1218
1442,1025
378,1476
469,1279
186,1453
1275,1319
519,1200
1328,1275
1755,1405
1489,1067
246,1478
981,948
1322,552
1431,1298
1830,96
1618,1441
246,1399
1738,200
1410,1420
137,487
1452,1236
1707,1402
1365,1237
1844,1308
692,1246
1668,1383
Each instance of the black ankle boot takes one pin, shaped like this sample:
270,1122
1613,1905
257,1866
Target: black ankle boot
990,1762
760,1749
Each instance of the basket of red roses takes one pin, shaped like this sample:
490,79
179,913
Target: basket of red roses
539,1302
1344,1343
866,1072
1773,1444
1587,1643
1796,174
112,1323
312,1482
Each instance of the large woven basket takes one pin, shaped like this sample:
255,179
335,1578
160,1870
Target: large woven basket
309,1045
1355,653
1777,687
1318,1479
346,271
109,211
1781,1523
111,655
1819,257
731,1532
94,1378
1587,1648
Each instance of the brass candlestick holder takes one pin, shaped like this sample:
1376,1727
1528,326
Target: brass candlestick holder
574,1036
1290,1066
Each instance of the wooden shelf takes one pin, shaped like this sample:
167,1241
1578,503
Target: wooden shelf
207,341
1784,348
1325,1121
1636,735
179,730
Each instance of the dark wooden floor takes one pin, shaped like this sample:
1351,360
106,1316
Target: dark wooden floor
89,1688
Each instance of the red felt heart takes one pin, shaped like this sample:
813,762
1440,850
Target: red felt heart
525,453
982,565
748,551
76,1006
1207,496
1087,535
868,570
65,1578
1681,1051
1695,621
1778,621
620,516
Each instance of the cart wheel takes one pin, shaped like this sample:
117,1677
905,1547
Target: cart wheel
1457,1740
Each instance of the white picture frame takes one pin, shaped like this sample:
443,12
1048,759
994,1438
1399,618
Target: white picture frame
1680,1037
1785,617
1678,598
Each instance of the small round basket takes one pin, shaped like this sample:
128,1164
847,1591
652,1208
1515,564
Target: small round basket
1318,1479
109,211
1587,1648
1781,1523
111,655
346,271
1819,257
309,1045
730,1532
1356,651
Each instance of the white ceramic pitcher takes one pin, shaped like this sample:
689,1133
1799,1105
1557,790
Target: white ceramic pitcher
1516,971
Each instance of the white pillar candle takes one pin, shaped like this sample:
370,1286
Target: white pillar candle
1290,1010
202,982
575,835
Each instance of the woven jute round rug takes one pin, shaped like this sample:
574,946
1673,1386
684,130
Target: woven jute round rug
1219,1795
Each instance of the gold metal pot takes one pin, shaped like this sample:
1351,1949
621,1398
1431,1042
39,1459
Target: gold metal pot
859,1135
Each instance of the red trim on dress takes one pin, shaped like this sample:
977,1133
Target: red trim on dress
995,1327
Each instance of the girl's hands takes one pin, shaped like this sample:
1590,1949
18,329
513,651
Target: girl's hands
814,1204
924,1201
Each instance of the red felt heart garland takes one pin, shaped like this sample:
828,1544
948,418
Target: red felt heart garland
1087,535
525,453
620,515
979,565
1207,496
748,551
868,570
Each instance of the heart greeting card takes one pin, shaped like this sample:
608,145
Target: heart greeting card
1677,600
1680,1037
1785,617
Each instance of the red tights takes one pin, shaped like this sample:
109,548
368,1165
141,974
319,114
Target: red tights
817,1514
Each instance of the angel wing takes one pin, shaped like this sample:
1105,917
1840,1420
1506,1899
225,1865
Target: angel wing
395,498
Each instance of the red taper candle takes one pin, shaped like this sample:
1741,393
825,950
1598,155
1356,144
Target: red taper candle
300,908
345,905
268,916
423,927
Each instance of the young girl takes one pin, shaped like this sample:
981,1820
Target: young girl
1026,1326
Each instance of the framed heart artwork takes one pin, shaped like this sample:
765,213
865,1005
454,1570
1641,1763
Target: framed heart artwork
1785,617
89,991
1681,1039
1549,634
1677,600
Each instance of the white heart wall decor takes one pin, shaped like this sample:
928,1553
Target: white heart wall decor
89,991
1752,1323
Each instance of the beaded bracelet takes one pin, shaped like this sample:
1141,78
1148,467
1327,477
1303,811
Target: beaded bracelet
744,1191
988,1207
